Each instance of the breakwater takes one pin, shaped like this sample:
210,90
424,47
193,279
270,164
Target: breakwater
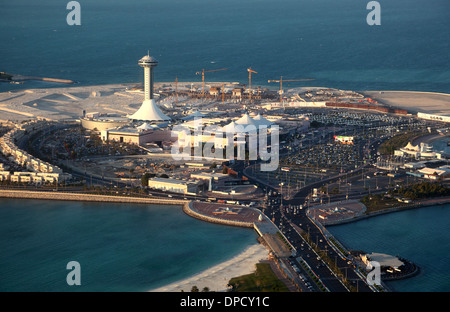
15,77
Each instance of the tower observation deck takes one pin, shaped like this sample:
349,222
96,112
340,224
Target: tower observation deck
148,63
148,110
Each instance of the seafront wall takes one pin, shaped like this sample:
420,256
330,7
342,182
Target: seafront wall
187,208
186,204
88,197
422,204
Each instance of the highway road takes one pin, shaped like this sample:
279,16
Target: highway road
291,226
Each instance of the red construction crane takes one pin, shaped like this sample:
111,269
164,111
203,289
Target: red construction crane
250,71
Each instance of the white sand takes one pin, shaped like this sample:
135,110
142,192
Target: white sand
217,277
425,102
70,101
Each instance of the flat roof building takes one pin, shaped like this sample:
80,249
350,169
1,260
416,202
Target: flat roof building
138,135
383,259
174,185
434,117
209,177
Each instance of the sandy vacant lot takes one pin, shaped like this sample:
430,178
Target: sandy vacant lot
69,102
424,102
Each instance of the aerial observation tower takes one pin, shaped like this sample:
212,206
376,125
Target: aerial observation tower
148,110
148,63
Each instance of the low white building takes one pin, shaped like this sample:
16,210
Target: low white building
383,259
9,148
209,177
174,185
435,173
421,151
141,135
434,117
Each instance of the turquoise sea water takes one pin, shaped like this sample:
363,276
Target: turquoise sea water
120,247
419,235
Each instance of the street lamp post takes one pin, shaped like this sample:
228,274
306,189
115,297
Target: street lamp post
281,204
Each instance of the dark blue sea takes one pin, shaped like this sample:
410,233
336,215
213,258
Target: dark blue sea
419,235
138,248
326,40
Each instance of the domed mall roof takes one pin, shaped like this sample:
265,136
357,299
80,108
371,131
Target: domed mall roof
260,120
246,120
230,127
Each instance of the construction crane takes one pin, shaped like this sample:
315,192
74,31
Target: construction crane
250,71
203,76
223,92
176,90
281,84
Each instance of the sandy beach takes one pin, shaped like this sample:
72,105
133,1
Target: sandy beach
216,278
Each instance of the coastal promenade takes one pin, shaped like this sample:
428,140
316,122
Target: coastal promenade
223,214
417,204
234,215
54,195
214,213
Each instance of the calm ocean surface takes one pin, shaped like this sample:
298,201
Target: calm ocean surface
419,235
120,247
326,40
136,248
